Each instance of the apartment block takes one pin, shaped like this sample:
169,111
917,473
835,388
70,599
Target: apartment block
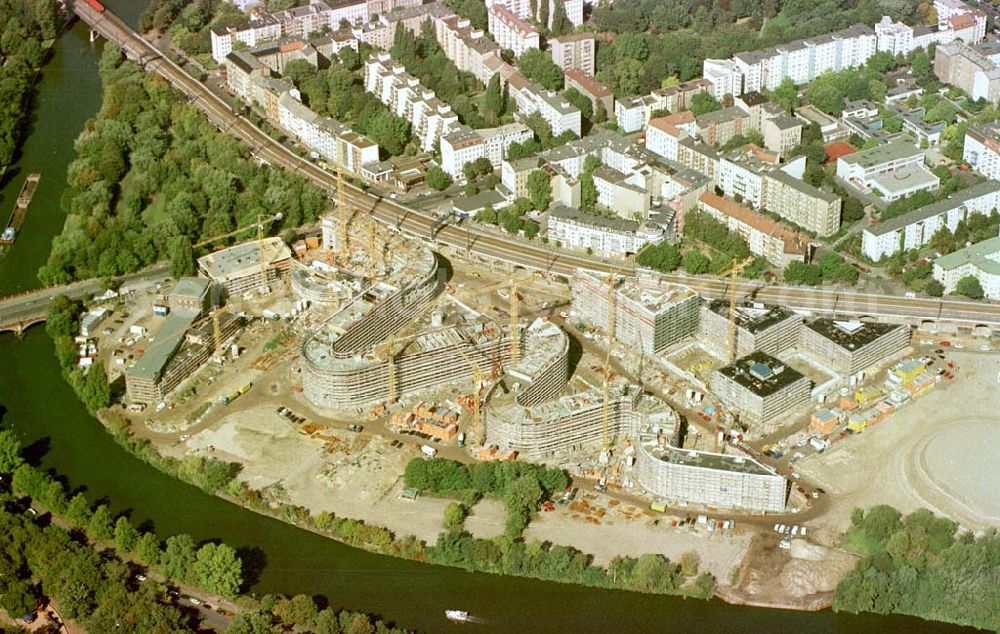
975,72
760,388
759,328
264,28
982,150
650,314
916,228
575,52
632,113
980,260
510,32
429,117
765,237
663,134
781,133
799,202
948,11
606,237
719,127
589,87
625,194
532,97
332,140
514,174
849,347
464,145
801,61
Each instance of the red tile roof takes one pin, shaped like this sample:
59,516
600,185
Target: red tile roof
588,83
836,150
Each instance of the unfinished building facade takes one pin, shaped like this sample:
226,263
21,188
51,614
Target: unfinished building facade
650,314
760,388
702,477
574,421
848,347
759,328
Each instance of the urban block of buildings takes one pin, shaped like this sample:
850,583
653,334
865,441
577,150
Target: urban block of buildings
974,69
759,328
602,235
765,237
465,145
760,388
892,171
980,260
575,52
511,32
916,228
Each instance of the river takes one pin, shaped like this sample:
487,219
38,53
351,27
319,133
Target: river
62,436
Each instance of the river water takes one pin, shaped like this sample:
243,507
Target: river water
62,436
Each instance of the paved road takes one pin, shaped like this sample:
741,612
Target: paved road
493,244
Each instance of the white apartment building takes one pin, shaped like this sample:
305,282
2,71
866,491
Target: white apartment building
982,150
948,10
429,117
741,180
801,60
523,9
532,97
632,113
663,134
464,145
625,194
574,51
265,28
980,260
468,48
510,32
606,237
332,140
916,228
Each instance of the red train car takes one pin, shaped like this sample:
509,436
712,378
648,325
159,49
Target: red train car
96,6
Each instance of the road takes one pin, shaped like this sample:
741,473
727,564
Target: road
494,245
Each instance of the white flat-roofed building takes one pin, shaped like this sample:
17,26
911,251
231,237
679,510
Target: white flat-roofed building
559,113
625,194
257,31
464,145
894,170
510,32
606,237
916,228
725,77
632,113
574,51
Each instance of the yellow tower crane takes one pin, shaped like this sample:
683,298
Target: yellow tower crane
389,348
605,407
732,273
478,429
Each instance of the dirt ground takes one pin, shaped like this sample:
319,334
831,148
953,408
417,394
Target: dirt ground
936,452
803,577
487,519
351,475
629,531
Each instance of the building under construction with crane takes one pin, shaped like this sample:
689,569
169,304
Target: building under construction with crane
760,388
183,343
714,479
248,266
646,312
574,421
758,328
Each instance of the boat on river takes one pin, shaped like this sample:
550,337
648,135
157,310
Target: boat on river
20,209
459,616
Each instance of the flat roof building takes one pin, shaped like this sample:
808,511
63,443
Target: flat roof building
701,477
980,260
238,268
759,327
848,347
760,388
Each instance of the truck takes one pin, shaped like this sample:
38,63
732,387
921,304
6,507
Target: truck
819,444
461,439
659,507
428,451
270,314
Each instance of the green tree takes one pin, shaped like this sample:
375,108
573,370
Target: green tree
703,103
218,569
100,527
10,451
934,288
78,511
178,557
19,599
437,179
147,549
126,536
970,287
181,256
786,95
538,66
560,21
539,189
454,515
695,262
